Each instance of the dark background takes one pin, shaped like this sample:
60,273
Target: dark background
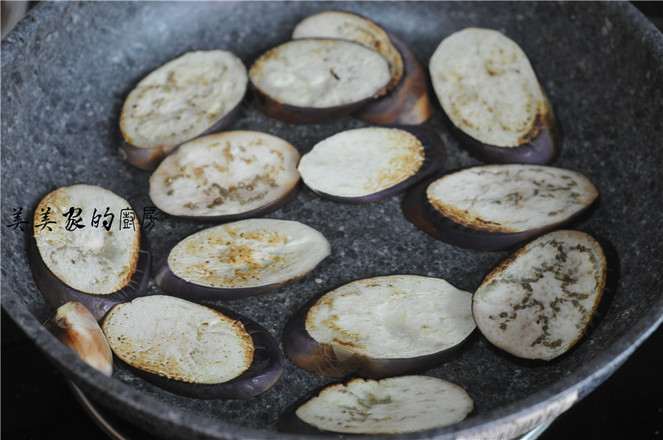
38,403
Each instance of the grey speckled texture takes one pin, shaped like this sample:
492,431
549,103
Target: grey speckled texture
68,66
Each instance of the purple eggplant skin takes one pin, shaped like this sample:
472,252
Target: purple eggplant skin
259,212
419,211
57,293
149,158
176,286
409,102
265,369
435,155
309,354
299,115
542,146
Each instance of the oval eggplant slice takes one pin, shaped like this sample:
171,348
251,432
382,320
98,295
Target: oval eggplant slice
393,405
239,259
194,350
492,97
194,94
494,207
380,327
317,80
226,176
76,327
368,164
87,247
406,101
537,303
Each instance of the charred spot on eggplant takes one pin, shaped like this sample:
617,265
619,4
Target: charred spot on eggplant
368,164
492,97
379,327
77,328
80,250
194,94
538,303
239,259
226,176
317,80
495,207
394,405
192,349
406,100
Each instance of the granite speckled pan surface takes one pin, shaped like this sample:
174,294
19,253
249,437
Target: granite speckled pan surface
67,68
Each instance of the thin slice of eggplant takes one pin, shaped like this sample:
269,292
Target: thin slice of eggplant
238,259
226,176
495,207
394,405
406,101
77,328
379,327
492,97
369,164
87,247
317,80
195,94
538,303
194,350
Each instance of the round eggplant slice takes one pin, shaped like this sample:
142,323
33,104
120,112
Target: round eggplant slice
495,207
239,259
76,327
226,176
406,100
317,80
194,350
379,327
87,247
393,405
492,97
368,164
537,303
194,94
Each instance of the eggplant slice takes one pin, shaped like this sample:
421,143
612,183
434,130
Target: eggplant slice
239,259
537,303
379,327
495,207
77,328
492,97
369,164
317,80
87,247
406,101
194,350
195,94
394,405
226,176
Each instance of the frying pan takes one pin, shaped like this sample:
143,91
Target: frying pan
67,68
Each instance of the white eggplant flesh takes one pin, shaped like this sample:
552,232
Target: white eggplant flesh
226,176
194,350
360,162
348,26
406,100
490,93
379,327
242,258
538,303
394,405
179,101
315,80
512,197
76,327
87,247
